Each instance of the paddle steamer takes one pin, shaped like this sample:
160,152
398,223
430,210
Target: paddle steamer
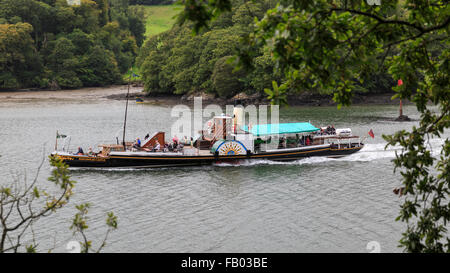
222,141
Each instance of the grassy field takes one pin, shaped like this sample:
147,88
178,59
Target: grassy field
160,18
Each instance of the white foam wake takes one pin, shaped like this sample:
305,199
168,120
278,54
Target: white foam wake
370,152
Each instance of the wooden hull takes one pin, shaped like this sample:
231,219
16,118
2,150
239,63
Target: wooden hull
154,161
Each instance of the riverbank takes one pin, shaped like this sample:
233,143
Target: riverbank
89,93
119,92
305,99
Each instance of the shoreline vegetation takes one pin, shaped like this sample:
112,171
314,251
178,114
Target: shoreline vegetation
166,55
53,45
304,99
159,33
119,92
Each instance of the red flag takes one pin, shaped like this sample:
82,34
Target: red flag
371,133
399,82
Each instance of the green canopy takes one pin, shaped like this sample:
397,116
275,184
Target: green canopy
281,128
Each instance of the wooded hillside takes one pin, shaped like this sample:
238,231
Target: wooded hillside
50,44
177,62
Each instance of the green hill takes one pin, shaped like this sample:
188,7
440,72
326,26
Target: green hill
157,19
160,18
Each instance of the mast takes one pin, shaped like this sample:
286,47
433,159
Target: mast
126,111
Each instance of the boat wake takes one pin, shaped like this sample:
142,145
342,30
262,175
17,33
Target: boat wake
370,152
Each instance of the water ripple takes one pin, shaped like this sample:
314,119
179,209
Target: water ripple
313,204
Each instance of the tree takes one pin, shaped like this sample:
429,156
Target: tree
82,41
177,62
137,28
50,41
36,13
64,64
263,73
65,19
22,204
151,2
103,6
99,67
331,45
79,226
88,16
16,54
226,82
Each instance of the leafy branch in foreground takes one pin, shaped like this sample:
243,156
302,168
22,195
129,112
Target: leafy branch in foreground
79,225
331,46
18,209
23,204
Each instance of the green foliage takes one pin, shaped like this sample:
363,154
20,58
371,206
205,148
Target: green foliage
31,249
202,14
79,225
20,201
99,68
137,29
49,43
263,73
63,62
151,2
16,54
224,80
103,7
334,47
178,62
277,95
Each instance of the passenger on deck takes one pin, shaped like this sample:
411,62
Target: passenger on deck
175,140
80,151
333,130
257,144
301,142
282,143
179,147
157,147
308,141
90,152
137,144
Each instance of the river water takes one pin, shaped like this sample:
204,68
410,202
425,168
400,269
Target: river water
310,205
